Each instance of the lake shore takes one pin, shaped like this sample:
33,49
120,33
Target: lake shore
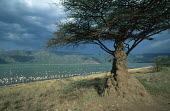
78,94
90,76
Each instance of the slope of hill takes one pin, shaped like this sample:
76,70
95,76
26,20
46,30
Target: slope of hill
47,57
146,57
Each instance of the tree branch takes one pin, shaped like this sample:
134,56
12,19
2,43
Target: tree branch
136,42
102,46
127,46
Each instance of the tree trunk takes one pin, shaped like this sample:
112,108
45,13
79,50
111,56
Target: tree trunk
119,70
121,84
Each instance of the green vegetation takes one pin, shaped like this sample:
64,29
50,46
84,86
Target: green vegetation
157,83
74,93
146,58
31,97
84,85
27,66
159,62
46,57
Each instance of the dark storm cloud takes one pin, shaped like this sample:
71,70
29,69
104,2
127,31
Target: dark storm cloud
27,25
160,44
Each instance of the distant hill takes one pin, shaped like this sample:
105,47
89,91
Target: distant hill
45,57
48,57
146,58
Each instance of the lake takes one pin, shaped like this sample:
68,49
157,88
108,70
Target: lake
23,73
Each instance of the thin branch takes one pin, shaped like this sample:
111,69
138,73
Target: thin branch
140,40
103,19
156,33
102,46
134,45
127,46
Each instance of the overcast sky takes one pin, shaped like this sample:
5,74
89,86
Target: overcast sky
27,25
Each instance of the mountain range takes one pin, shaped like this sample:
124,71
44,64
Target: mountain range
53,57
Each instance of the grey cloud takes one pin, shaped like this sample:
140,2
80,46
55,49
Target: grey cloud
25,25
160,44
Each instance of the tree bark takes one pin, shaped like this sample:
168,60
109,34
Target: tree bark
119,70
121,84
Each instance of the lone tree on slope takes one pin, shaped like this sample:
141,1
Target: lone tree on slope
159,62
125,23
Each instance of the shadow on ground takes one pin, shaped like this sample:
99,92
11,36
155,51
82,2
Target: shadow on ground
99,84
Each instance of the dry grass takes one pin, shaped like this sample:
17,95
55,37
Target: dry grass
71,94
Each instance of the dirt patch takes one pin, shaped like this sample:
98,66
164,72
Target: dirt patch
91,101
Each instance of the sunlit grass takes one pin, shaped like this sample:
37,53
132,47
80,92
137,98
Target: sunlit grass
73,92
157,83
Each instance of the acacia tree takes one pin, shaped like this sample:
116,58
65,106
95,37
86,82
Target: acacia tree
158,62
125,23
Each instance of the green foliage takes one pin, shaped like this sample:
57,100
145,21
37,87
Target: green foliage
48,95
47,57
157,83
159,62
77,88
73,91
118,21
91,96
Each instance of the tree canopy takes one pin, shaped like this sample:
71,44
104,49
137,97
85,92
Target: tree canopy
159,62
126,21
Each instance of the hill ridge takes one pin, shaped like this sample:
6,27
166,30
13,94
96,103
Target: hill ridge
54,57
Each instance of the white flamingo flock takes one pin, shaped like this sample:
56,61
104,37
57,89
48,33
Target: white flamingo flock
47,75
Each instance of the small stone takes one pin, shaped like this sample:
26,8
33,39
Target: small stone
100,105
117,105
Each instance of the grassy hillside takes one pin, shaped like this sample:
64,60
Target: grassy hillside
47,57
80,94
44,57
146,58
